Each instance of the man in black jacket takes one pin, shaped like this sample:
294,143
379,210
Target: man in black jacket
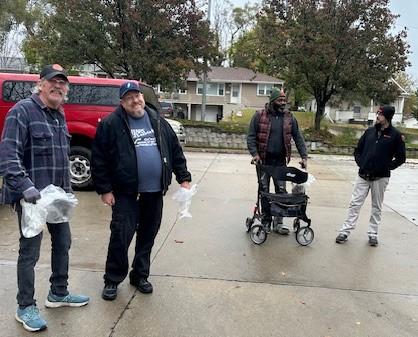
380,149
134,155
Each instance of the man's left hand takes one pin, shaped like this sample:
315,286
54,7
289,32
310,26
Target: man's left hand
185,184
304,163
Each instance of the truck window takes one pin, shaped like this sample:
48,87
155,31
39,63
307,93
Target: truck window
93,94
14,91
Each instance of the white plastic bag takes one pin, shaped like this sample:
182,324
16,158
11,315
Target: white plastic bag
184,197
55,206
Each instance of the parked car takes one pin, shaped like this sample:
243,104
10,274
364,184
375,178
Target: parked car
167,109
179,130
89,100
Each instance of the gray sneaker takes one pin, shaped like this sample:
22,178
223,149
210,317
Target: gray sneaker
373,241
283,230
31,318
54,301
279,227
341,238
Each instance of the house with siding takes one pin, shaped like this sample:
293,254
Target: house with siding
228,91
357,112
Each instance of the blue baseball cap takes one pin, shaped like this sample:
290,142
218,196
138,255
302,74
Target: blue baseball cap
127,87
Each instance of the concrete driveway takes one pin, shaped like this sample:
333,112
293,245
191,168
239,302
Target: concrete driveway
211,280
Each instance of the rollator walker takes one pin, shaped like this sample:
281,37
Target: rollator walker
281,205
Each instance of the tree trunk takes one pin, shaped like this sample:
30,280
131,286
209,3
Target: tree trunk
320,109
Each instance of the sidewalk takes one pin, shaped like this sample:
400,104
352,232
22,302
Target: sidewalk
211,280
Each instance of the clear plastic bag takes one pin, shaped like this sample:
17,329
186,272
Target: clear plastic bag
55,206
301,188
33,218
184,197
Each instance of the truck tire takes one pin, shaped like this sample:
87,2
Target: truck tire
80,168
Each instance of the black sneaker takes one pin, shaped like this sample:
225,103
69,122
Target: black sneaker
341,238
373,241
110,291
144,286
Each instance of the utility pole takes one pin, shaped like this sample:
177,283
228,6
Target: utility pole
205,74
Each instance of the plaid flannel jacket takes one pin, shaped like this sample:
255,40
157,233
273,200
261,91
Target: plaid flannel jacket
34,149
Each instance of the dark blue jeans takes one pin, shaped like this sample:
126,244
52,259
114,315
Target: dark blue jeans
131,214
29,250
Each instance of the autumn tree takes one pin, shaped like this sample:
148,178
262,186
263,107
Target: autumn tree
9,10
229,23
331,47
156,41
17,18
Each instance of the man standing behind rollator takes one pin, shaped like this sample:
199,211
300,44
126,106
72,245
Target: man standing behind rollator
269,142
134,155
380,149
34,153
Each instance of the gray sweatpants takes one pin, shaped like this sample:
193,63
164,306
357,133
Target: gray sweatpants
360,192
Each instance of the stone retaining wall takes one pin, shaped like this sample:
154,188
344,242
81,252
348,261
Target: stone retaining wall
207,137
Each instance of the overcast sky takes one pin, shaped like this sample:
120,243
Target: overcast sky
408,11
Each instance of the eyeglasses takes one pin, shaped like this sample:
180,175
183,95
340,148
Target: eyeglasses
379,113
54,81
130,98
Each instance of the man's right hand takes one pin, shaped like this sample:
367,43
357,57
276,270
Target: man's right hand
31,195
256,159
108,198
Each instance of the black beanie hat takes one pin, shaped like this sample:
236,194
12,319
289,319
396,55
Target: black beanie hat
388,111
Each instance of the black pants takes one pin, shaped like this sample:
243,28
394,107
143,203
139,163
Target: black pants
264,184
130,215
29,250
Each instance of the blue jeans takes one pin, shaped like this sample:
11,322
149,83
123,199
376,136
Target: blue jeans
29,250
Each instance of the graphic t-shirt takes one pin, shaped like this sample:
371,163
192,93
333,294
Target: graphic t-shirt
147,154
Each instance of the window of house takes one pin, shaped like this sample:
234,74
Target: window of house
212,89
159,89
264,89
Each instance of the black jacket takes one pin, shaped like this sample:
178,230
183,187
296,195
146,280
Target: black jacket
114,164
379,152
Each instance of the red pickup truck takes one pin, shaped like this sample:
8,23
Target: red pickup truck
89,100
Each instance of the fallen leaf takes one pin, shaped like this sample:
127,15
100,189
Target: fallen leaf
178,241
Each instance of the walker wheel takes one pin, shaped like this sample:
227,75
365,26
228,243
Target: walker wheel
258,234
304,235
248,223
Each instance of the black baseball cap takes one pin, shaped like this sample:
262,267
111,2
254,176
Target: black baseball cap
53,70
